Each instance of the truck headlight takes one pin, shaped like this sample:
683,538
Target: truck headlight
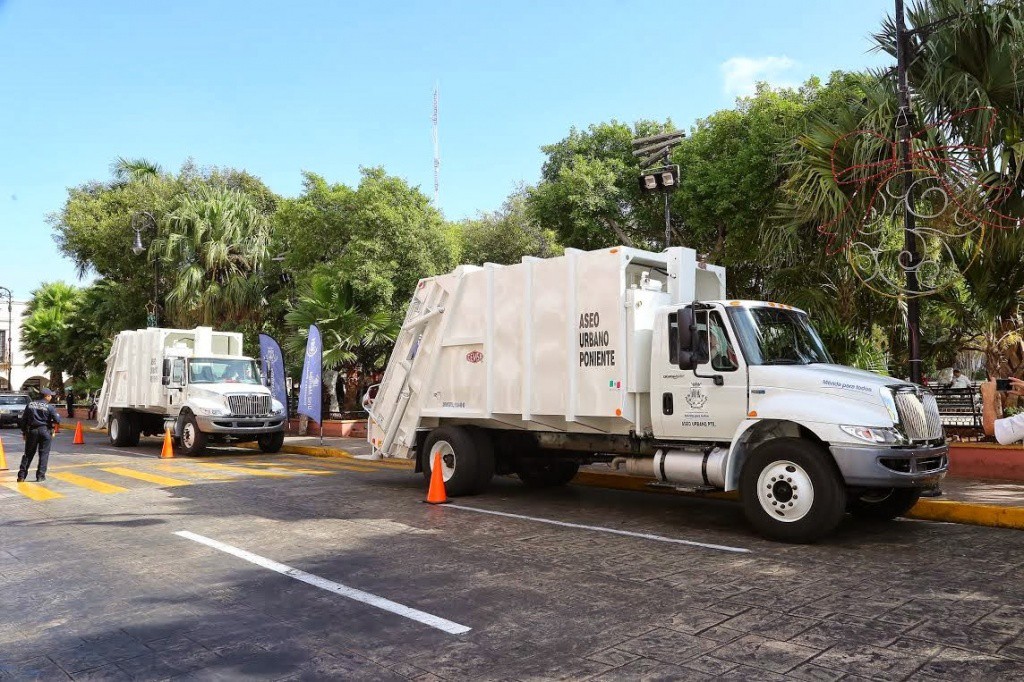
276,407
212,409
890,403
875,434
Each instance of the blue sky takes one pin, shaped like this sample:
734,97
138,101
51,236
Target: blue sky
277,88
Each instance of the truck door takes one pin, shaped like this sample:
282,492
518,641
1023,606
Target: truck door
709,402
174,381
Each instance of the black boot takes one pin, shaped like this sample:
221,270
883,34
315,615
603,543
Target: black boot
21,478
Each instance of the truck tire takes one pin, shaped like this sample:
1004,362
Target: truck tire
540,471
119,430
193,441
134,429
485,457
883,505
271,442
791,491
463,464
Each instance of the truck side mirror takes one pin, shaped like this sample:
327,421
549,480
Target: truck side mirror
166,378
692,348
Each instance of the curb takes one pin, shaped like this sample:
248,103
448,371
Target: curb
925,510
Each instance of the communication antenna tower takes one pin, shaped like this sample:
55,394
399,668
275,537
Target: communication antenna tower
437,148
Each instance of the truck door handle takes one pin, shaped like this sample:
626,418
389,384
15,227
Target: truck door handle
666,403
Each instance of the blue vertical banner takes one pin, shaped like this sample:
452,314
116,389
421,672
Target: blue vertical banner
310,396
272,366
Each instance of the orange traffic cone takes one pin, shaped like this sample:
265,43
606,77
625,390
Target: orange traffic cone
3,457
167,452
79,438
436,493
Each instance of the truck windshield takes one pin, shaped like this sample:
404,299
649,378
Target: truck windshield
222,371
776,336
13,400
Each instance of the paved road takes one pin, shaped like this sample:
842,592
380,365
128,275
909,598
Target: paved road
237,565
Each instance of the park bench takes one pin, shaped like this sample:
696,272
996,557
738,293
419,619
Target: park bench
959,407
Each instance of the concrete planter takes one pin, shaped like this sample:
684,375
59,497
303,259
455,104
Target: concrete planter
986,460
334,428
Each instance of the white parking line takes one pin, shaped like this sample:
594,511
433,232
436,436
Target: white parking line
331,586
602,529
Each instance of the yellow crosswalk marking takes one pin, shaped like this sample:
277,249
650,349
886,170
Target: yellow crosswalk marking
337,465
143,476
33,491
182,469
293,467
90,483
243,470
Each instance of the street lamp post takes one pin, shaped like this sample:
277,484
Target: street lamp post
145,220
651,150
8,352
909,256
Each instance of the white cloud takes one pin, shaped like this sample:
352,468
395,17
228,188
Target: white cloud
741,74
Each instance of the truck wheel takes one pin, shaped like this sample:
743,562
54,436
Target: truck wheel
463,465
791,491
193,441
884,504
271,442
540,471
485,457
119,430
134,428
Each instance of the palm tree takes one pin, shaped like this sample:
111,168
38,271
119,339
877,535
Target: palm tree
215,243
352,337
44,331
966,63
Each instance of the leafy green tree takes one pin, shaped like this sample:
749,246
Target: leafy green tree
589,191
507,235
381,237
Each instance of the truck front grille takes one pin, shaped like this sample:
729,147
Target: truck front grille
919,415
249,405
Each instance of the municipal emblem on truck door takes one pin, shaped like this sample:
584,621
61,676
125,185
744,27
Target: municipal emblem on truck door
474,356
696,398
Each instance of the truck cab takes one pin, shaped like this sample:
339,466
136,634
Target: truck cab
734,375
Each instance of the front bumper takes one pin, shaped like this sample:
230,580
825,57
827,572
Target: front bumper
240,425
881,467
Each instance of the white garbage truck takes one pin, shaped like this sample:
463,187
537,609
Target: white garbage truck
196,382
639,360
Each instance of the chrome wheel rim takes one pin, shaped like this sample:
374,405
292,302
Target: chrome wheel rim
447,452
785,491
115,428
188,436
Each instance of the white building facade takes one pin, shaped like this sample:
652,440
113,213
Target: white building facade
13,362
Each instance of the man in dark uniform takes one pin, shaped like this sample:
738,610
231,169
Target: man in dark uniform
36,424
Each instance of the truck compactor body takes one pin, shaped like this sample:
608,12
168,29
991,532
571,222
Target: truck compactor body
195,382
638,359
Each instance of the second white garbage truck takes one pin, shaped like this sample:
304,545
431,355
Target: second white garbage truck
195,382
639,359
